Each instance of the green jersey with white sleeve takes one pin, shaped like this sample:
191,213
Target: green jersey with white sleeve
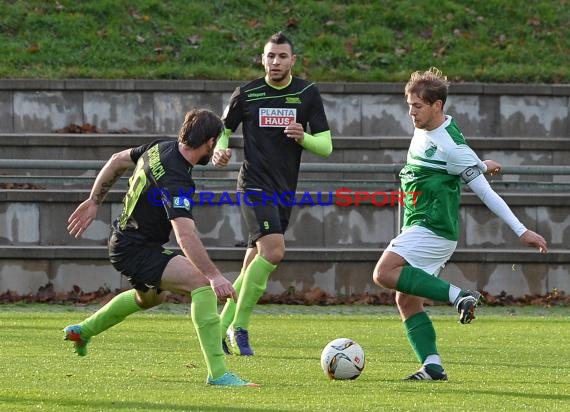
437,161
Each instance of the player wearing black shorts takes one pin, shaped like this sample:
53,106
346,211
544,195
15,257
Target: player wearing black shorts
157,202
277,112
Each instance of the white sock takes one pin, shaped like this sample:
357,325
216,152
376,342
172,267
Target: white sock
454,292
433,359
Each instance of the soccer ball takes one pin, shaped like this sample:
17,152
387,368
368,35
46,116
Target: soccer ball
342,358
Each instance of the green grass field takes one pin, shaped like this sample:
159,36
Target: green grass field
509,359
370,41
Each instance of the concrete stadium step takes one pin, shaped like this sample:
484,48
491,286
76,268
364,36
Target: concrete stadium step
479,255
235,254
387,150
318,236
333,248
101,146
158,106
36,216
39,216
337,271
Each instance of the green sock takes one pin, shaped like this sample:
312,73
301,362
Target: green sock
227,315
204,311
417,282
254,284
421,335
115,311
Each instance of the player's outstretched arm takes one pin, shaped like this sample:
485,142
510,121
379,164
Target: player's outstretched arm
479,185
497,205
86,212
82,217
493,167
533,239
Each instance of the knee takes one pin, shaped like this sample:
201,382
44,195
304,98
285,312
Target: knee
147,300
402,300
377,276
409,305
381,275
387,270
274,255
272,248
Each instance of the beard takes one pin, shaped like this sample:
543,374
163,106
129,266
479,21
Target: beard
278,77
204,160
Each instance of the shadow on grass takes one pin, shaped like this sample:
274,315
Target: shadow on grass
527,395
62,404
559,397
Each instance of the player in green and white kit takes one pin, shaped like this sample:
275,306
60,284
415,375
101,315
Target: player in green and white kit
438,161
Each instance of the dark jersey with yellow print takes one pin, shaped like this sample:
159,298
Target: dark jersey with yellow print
271,158
160,189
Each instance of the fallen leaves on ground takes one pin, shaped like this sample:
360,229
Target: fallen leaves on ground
314,296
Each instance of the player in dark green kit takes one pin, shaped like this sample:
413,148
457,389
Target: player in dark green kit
280,115
157,202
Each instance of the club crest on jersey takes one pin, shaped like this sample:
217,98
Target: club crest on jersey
431,150
181,202
292,100
276,117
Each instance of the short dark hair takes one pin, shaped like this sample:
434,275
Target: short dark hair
280,38
199,126
429,86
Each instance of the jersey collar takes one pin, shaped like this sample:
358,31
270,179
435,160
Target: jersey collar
279,87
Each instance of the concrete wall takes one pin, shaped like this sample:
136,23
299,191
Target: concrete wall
332,247
38,217
353,109
334,271
510,151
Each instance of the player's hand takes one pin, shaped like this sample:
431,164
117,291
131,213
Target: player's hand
223,288
533,239
221,157
493,168
82,217
295,131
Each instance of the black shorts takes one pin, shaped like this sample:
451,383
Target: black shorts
142,264
264,216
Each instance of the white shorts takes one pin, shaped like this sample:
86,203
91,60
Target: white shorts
422,248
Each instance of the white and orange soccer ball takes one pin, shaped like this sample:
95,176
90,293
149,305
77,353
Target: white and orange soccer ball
342,358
